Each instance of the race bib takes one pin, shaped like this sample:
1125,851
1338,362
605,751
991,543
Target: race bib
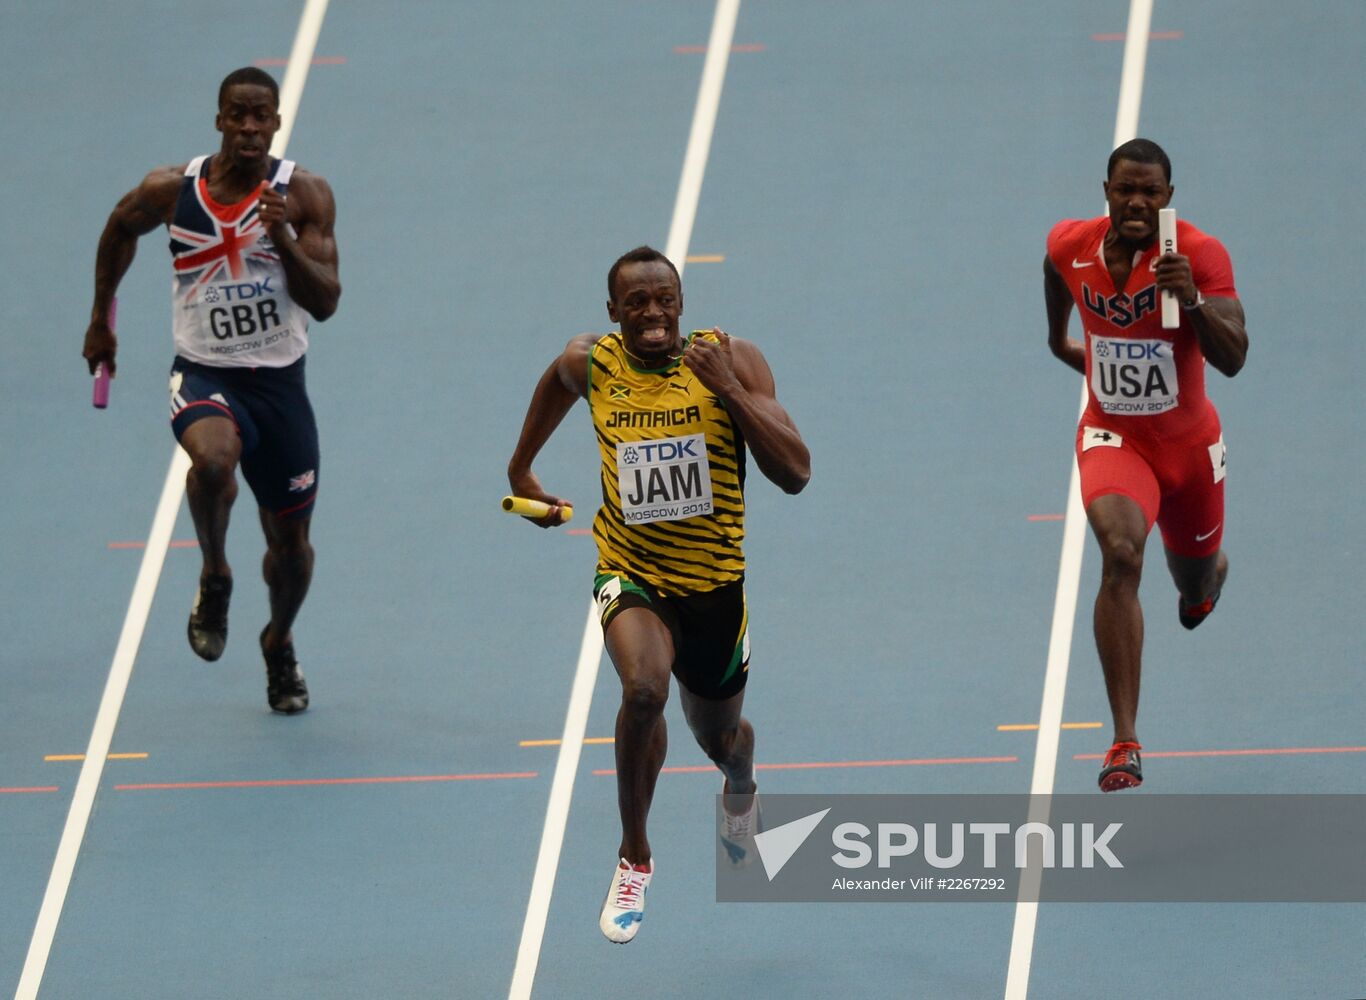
1099,437
234,311
667,479
1133,377
1218,458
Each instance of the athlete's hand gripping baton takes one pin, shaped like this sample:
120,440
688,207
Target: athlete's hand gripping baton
535,508
99,396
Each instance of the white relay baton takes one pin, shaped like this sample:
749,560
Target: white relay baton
1166,233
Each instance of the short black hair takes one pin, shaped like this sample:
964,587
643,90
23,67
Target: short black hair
1140,151
640,255
251,75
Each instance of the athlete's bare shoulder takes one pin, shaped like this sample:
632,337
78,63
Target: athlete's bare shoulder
572,365
313,194
152,202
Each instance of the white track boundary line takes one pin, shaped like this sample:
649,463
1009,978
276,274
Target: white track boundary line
590,650
140,604
1069,567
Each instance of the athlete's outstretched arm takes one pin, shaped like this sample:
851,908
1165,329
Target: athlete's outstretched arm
1219,324
1057,300
309,256
738,373
562,385
141,210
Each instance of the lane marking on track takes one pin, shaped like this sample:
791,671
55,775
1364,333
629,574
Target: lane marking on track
590,649
588,741
317,61
182,543
402,779
28,791
1267,752
81,756
1069,569
140,604
1153,36
822,765
1029,727
694,50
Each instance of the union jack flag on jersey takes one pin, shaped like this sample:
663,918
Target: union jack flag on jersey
215,243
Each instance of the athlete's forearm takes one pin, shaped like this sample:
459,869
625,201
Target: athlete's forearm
113,257
1219,324
1058,306
550,401
313,284
772,438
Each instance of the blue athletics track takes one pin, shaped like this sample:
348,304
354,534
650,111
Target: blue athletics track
879,179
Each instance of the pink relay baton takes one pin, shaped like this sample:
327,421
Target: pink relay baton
99,397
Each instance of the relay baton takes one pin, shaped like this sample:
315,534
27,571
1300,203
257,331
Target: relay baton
99,397
535,508
1166,233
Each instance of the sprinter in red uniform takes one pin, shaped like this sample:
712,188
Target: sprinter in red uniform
1149,446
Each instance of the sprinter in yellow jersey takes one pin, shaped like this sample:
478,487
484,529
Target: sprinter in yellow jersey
673,418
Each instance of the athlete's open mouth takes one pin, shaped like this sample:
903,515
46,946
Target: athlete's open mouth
654,338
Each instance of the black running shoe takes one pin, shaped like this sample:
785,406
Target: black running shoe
208,627
1192,615
285,687
1122,768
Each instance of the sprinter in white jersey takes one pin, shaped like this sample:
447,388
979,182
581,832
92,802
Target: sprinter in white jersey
254,258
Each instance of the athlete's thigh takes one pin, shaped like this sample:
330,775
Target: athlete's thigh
283,469
639,629
1192,517
1111,465
713,652
207,417
710,717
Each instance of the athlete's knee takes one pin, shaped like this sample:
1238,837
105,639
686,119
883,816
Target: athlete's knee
1121,558
290,553
214,472
719,745
644,695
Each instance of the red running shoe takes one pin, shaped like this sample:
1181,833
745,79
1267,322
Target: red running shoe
1192,615
1122,768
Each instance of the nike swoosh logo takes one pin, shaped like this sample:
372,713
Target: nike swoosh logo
1082,263
1201,538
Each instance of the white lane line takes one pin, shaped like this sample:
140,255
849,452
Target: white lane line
140,604
703,124
557,811
1069,568
590,649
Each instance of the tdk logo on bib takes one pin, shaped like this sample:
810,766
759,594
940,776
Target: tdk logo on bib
652,452
237,292
1136,377
667,479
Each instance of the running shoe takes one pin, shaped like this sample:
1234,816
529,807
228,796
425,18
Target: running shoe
624,907
1192,615
1122,768
285,687
208,627
737,834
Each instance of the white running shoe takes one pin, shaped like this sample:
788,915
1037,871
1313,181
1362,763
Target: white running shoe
737,835
624,907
